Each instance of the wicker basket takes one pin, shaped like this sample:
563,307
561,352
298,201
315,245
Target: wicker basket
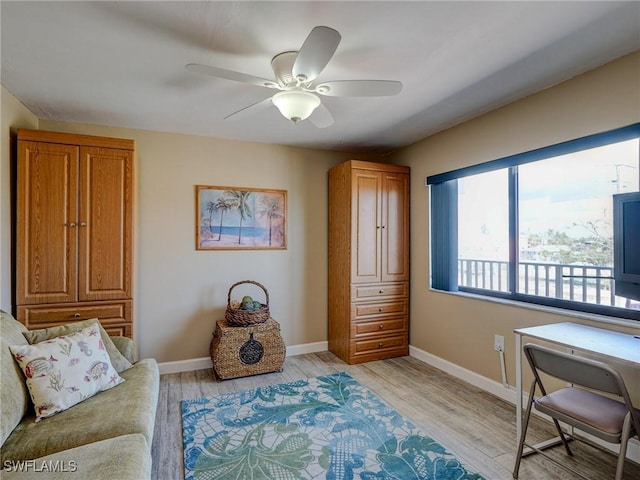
239,352
244,318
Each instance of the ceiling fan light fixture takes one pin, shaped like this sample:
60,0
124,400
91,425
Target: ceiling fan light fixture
296,105
295,73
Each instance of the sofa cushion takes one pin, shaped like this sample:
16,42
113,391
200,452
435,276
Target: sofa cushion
119,362
65,371
126,409
125,458
14,397
126,347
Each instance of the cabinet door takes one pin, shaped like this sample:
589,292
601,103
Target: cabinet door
366,226
105,224
46,261
395,227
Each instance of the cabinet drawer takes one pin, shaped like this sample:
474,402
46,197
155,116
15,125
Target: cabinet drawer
360,310
377,327
115,317
380,290
380,343
118,329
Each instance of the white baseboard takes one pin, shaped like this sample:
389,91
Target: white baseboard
205,362
307,348
508,394
486,384
185,365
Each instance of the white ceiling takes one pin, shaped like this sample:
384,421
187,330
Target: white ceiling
122,63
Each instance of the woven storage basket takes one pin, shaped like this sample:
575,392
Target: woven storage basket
242,351
244,318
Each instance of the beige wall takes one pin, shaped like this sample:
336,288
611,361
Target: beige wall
180,292
461,329
14,116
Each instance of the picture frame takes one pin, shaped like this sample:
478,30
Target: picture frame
240,218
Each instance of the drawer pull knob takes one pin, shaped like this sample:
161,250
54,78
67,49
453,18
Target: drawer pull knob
76,315
83,224
381,309
380,345
380,291
381,326
72,224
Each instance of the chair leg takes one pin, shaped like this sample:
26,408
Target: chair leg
562,437
525,425
624,439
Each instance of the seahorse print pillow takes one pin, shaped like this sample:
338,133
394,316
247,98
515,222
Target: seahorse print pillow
66,370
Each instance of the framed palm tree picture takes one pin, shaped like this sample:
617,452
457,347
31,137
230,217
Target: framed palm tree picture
229,218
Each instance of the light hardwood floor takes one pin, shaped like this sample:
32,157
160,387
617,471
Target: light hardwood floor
476,426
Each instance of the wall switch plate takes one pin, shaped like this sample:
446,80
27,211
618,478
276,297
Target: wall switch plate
498,343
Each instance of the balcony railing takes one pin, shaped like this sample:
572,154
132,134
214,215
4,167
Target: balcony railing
579,283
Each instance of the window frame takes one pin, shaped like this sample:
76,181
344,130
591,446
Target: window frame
444,220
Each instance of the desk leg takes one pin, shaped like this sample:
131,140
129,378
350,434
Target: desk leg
518,353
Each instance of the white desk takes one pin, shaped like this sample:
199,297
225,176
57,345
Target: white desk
619,347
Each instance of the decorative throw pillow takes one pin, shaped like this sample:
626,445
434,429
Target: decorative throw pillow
119,361
66,370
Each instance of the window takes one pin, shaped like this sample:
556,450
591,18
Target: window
537,227
483,230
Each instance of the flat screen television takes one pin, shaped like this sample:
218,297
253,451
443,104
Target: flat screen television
626,244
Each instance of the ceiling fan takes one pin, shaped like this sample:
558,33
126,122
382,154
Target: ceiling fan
295,73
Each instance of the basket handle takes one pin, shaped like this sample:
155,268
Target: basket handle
266,293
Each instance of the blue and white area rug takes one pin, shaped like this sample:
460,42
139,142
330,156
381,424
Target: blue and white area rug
328,427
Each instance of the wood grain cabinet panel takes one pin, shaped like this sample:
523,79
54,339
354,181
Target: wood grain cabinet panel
74,225
115,317
364,293
382,347
368,260
106,220
380,344
366,239
47,242
394,227
364,310
377,327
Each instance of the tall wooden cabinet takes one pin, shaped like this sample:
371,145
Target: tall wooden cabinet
368,261
74,235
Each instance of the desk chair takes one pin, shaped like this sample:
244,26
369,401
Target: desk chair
610,420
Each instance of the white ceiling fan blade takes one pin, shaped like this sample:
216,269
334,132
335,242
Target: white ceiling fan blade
230,75
250,109
360,88
315,53
321,117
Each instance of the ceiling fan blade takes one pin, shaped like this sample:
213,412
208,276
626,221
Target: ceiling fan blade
230,75
360,88
315,53
321,117
250,109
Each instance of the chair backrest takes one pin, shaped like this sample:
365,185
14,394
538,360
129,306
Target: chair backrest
575,369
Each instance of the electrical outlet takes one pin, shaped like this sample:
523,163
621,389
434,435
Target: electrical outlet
498,343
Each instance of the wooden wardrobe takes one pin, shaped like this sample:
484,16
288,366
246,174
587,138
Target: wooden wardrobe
74,235
368,261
